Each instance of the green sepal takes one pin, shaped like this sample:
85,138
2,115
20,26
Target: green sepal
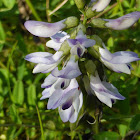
98,22
80,3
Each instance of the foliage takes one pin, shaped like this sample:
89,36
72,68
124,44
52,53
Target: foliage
20,90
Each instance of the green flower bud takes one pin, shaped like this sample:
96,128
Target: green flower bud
98,22
90,13
80,3
71,22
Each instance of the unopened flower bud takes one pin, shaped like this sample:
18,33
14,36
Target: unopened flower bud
90,13
80,3
71,22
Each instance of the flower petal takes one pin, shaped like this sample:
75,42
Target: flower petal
60,37
54,45
100,5
69,72
37,54
65,114
117,67
97,86
123,22
46,60
123,57
106,100
49,80
44,29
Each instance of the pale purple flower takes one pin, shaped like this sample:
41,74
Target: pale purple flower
44,29
69,110
46,62
79,44
63,94
119,61
123,22
69,71
104,91
100,5
57,40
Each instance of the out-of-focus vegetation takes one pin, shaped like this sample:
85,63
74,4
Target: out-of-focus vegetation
20,90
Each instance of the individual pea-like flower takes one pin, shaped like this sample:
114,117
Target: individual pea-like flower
79,44
69,71
63,94
57,40
100,5
123,22
46,62
118,61
44,29
104,91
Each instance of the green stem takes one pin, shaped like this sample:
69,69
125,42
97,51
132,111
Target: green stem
8,69
33,10
40,122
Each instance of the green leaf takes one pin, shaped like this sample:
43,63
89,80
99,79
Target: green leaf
9,3
135,122
10,133
138,96
21,69
14,115
18,93
2,36
31,95
123,129
107,136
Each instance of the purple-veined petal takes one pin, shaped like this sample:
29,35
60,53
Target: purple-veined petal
118,57
44,29
119,68
100,5
97,86
106,100
88,43
46,94
123,22
37,54
60,37
46,60
72,42
123,57
49,80
69,72
44,68
60,96
65,114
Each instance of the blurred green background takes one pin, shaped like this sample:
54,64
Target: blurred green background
20,90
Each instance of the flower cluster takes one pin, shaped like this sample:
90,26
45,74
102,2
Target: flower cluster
61,86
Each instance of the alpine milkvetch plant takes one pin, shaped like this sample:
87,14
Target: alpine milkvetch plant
75,68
